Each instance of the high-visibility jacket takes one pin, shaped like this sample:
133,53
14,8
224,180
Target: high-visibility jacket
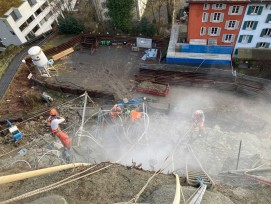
135,115
115,111
64,138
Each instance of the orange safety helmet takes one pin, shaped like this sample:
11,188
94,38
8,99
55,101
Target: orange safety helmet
53,112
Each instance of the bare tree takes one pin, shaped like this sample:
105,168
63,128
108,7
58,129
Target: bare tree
60,7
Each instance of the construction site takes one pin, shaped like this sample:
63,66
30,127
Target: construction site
135,130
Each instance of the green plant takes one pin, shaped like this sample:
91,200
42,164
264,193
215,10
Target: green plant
70,25
121,13
146,28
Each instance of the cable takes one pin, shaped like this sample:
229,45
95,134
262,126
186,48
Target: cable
41,113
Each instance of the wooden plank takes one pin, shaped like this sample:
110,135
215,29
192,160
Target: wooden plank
62,54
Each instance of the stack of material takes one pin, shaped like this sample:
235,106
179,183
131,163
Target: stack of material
89,42
150,54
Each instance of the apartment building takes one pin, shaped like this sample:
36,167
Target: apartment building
28,19
213,27
215,22
102,10
255,31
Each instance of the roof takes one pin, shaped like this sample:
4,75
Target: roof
254,53
5,5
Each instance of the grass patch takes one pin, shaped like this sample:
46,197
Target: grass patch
56,40
8,4
7,56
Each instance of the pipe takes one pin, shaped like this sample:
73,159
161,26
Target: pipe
39,172
177,198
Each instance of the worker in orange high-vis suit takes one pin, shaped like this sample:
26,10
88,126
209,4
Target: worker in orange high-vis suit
64,138
55,120
198,121
135,115
66,142
115,111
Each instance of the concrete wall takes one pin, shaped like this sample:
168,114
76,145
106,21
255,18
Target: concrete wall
257,32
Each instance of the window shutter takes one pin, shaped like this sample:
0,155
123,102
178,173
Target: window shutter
209,31
267,45
240,10
223,6
257,45
236,25
230,10
245,25
260,10
249,10
227,24
240,38
218,31
223,38
213,6
211,17
233,38
255,25
262,33
221,17
268,19
250,38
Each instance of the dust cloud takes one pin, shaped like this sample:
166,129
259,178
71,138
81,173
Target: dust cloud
159,141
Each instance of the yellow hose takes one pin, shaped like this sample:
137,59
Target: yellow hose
39,172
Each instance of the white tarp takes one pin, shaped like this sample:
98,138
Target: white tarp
144,42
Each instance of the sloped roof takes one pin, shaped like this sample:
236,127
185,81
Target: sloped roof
5,5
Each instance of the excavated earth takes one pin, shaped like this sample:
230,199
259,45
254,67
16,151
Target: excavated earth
229,119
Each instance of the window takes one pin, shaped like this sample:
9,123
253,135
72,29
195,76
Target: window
36,28
202,31
30,19
32,2
212,41
42,21
262,45
48,16
37,12
30,35
228,38
106,14
250,25
255,10
235,10
44,6
219,6
14,16
214,31
23,26
245,38
217,17
205,17
266,32
268,19
103,5
206,6
231,25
